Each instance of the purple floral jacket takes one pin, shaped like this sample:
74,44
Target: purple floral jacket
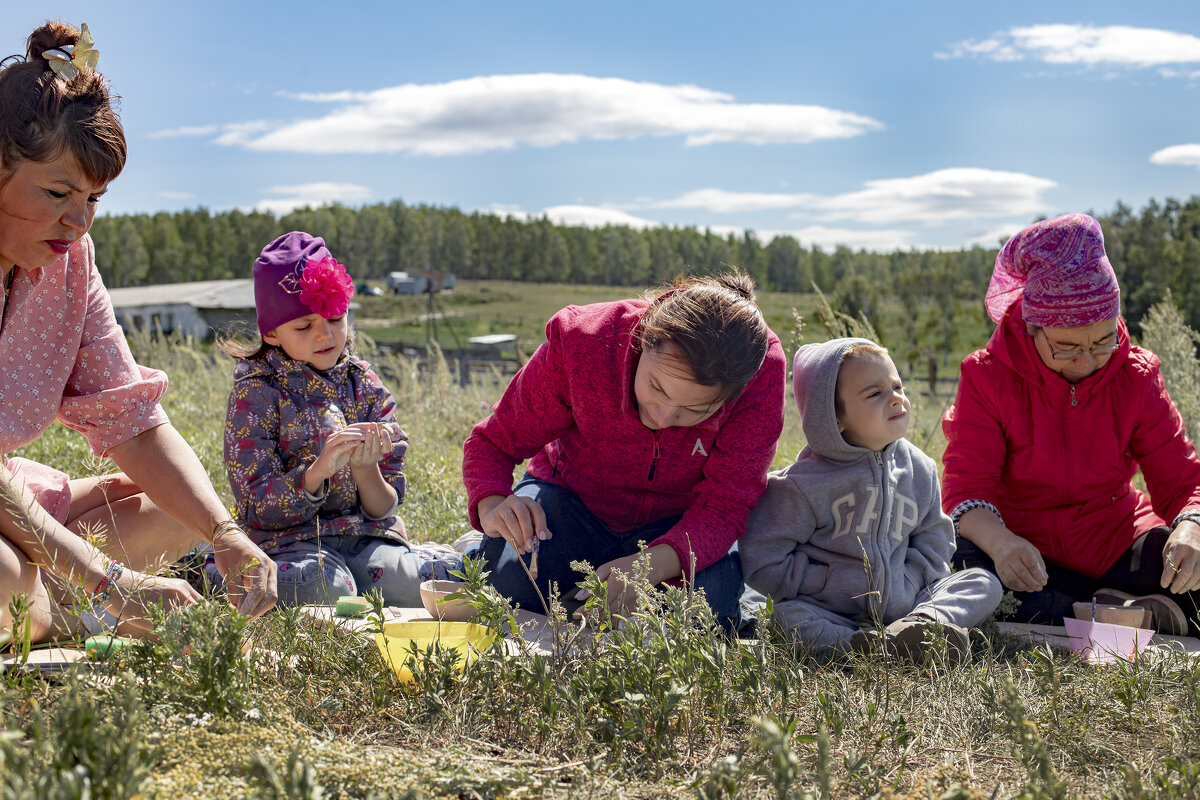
280,413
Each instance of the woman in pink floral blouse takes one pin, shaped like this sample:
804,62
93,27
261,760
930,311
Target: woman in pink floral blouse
81,550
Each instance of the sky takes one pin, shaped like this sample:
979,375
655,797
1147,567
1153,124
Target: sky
876,125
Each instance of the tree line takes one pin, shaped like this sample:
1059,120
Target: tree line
1152,250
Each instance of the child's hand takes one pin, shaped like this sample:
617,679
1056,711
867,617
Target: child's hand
375,446
335,455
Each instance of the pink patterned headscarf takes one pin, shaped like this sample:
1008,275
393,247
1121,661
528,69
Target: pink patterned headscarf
1058,268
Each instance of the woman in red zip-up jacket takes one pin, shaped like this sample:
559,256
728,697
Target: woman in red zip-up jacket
644,421
1051,422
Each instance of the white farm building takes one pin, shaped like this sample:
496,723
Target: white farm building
198,309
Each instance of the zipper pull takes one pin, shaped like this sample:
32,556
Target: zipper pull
654,459
1074,402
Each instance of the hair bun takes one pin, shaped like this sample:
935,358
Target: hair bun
739,282
49,36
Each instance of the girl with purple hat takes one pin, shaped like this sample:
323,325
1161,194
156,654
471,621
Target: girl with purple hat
314,453
1051,422
82,551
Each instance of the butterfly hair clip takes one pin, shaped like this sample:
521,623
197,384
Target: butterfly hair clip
71,59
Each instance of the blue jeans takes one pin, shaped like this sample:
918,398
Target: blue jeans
579,535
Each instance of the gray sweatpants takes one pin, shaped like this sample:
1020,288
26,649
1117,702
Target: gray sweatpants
963,598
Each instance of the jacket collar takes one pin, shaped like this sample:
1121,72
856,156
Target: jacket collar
1014,347
297,375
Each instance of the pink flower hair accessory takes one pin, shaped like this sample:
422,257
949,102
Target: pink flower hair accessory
326,288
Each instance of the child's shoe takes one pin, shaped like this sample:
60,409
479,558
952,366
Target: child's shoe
1163,614
915,638
867,640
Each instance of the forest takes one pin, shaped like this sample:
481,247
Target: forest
1153,250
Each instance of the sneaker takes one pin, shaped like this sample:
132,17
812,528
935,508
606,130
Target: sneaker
916,638
1165,614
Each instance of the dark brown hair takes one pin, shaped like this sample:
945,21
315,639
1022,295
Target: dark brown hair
43,116
715,326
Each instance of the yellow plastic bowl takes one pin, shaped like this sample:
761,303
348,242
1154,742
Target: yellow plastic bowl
467,639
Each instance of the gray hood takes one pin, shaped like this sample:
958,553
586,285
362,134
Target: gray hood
814,381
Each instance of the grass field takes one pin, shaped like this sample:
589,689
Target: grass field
476,308
661,708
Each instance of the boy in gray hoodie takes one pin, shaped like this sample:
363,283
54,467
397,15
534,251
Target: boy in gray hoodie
852,537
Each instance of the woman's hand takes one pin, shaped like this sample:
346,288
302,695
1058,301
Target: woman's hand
1181,559
517,520
250,579
134,594
1019,565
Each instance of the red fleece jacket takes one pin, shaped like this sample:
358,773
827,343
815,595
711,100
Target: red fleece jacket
571,410
1058,460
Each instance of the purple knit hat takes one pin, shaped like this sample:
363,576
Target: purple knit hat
1058,268
295,276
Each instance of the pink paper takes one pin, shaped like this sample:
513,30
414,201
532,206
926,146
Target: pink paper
1103,642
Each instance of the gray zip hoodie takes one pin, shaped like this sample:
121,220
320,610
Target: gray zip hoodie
851,530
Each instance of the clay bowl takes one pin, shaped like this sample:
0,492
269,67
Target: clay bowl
433,597
1130,616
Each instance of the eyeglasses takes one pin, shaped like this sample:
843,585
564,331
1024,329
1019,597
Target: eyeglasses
1097,351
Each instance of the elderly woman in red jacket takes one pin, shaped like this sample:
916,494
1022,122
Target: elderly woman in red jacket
1052,421
645,421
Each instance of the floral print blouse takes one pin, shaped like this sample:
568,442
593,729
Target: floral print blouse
280,413
62,355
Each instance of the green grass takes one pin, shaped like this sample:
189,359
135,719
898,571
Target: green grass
661,708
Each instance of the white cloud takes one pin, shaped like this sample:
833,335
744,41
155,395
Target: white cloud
827,238
995,237
920,201
186,130
501,112
596,217
311,194
940,196
507,210
830,238
1187,155
932,198
240,133
722,201
1087,45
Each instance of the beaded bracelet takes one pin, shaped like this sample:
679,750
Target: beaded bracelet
103,590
